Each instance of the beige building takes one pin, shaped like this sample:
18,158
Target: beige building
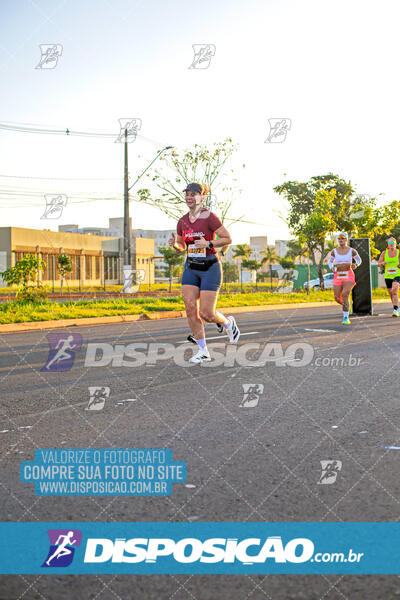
281,248
258,243
95,259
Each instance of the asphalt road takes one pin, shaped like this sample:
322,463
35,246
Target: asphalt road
337,399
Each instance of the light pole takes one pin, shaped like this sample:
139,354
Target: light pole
127,268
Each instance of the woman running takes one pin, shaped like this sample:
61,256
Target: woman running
202,273
344,258
390,260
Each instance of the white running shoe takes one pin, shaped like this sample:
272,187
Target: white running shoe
233,331
200,357
395,312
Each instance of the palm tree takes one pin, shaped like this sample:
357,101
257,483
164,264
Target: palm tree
252,265
243,252
297,249
269,256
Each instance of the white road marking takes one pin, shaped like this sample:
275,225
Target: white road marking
220,336
127,400
323,330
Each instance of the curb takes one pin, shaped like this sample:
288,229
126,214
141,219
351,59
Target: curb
171,314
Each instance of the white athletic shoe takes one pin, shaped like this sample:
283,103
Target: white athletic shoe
395,312
200,357
233,331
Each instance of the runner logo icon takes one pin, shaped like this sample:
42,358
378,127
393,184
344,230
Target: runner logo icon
330,470
251,395
203,54
278,129
62,351
55,205
62,547
98,397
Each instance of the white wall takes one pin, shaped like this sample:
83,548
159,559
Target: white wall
3,267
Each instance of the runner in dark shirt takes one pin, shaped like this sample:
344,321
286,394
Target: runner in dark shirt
202,274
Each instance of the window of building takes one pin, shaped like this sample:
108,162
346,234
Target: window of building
76,267
97,266
111,267
108,267
88,267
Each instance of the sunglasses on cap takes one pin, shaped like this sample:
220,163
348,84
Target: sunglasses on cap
342,237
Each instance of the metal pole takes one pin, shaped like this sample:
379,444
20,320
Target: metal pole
127,264
127,233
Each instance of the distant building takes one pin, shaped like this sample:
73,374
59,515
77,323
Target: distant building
116,229
160,238
117,224
258,243
102,231
95,258
281,247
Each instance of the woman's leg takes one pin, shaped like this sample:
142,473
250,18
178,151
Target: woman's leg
190,295
395,294
208,302
337,292
210,284
347,287
209,290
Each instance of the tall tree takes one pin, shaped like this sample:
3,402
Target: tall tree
210,166
327,204
64,266
23,274
269,256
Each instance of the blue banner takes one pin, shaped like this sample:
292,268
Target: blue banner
194,548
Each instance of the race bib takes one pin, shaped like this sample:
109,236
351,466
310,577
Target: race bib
392,270
196,252
342,274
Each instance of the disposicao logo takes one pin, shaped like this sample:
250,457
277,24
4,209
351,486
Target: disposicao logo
191,550
62,547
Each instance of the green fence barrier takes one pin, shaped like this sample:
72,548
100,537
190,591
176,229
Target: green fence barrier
302,275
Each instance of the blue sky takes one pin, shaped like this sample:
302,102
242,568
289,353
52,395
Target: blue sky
331,67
